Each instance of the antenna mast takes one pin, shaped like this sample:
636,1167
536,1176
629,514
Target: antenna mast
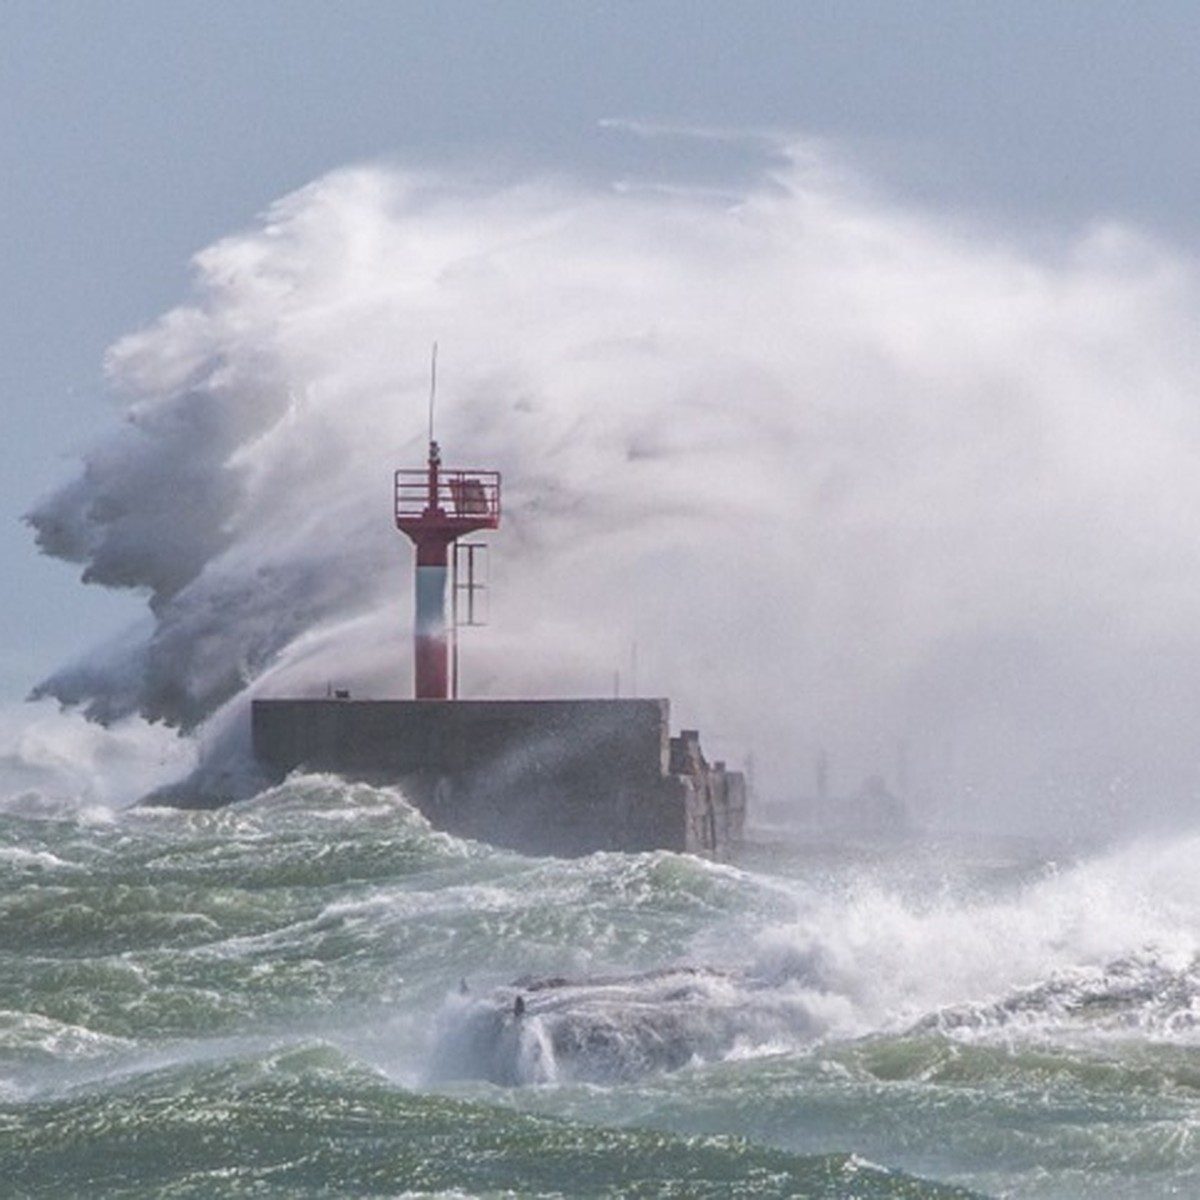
432,388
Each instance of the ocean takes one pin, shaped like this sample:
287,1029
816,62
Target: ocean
854,483
313,993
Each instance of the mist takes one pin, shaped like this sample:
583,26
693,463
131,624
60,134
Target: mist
835,472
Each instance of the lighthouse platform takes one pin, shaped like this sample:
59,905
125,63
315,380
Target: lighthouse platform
554,777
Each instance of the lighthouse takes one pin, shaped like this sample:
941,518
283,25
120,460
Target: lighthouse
434,508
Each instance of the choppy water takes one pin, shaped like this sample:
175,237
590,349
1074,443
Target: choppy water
265,1001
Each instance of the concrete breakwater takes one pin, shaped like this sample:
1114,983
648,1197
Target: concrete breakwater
555,777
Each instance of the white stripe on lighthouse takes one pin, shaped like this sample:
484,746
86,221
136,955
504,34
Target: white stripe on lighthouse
431,602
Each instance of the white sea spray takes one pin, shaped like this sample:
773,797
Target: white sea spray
846,473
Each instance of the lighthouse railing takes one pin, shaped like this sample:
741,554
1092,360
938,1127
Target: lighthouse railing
460,494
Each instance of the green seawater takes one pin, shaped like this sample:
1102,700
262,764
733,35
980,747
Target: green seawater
251,1002
307,1122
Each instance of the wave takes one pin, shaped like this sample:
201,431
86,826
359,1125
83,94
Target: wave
1054,951
940,1008
921,931
306,1120
55,764
1143,997
609,1029
942,584
612,1029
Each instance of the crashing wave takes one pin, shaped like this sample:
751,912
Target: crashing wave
1137,994
610,1028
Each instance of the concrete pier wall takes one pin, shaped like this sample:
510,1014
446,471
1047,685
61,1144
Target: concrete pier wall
561,777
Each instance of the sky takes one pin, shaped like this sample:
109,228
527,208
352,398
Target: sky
1021,174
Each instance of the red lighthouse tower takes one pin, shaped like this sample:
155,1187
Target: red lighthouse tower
435,507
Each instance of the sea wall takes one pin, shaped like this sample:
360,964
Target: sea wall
714,799
560,777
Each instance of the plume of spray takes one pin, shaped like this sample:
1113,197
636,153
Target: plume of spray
1119,925
55,765
846,474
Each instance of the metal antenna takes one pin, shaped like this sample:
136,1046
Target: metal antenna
432,388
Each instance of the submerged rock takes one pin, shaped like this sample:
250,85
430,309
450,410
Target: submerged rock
608,1028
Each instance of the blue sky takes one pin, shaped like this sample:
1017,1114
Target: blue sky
134,134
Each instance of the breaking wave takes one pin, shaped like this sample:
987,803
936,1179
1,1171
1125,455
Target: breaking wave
899,467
